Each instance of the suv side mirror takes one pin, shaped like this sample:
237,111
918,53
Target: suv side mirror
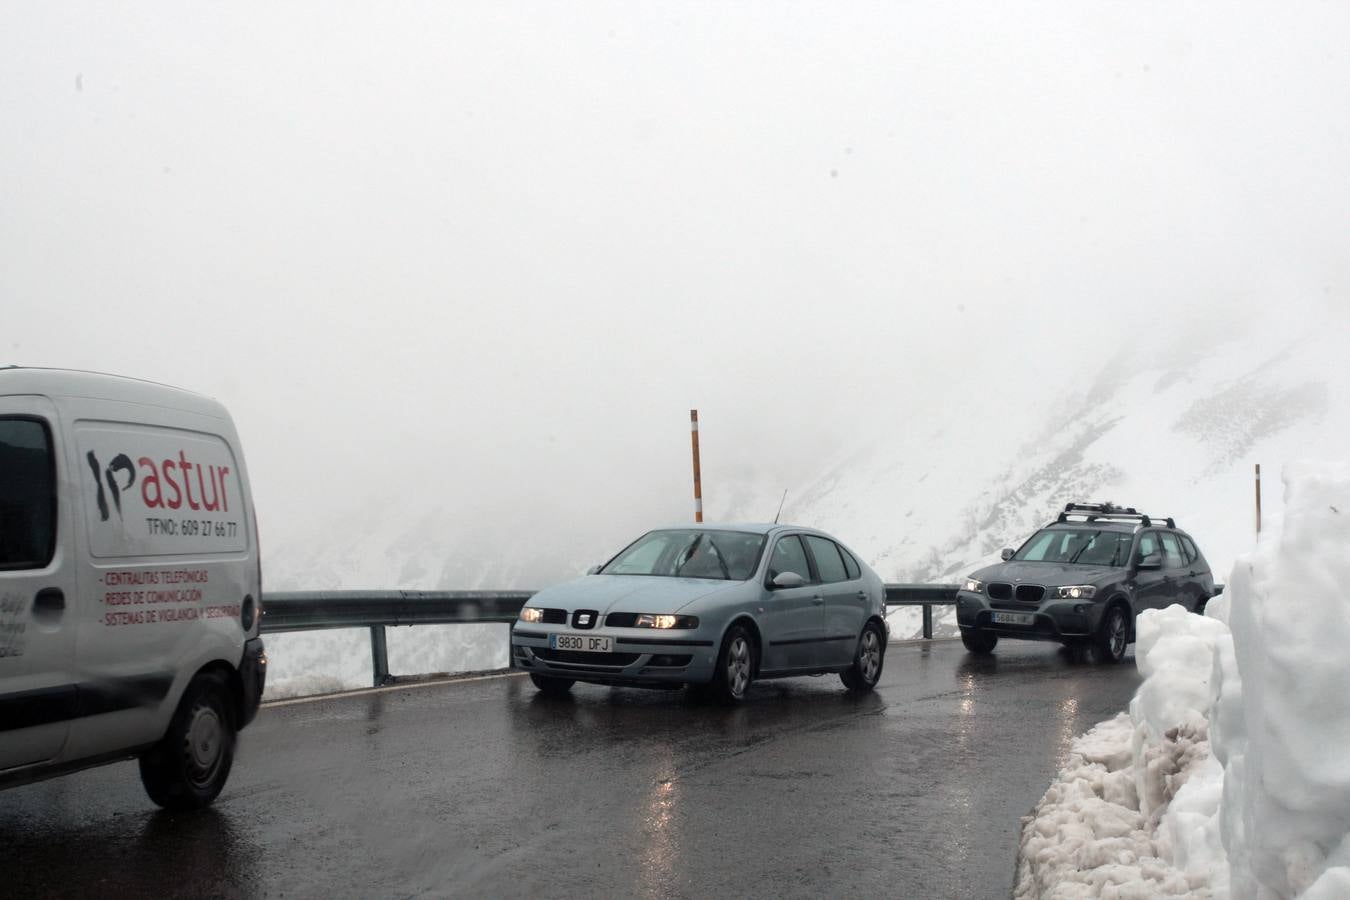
787,580
1007,553
594,570
1152,561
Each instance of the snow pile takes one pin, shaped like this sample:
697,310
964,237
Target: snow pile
1140,787
1144,809
1286,815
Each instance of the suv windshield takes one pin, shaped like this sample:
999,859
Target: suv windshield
1083,546
692,553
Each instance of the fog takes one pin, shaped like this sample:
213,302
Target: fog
485,257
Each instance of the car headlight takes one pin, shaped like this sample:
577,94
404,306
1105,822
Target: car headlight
1075,592
656,621
974,585
531,614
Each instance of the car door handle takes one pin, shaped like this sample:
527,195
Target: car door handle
861,595
817,601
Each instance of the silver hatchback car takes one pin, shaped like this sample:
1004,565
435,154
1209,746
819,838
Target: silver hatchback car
712,607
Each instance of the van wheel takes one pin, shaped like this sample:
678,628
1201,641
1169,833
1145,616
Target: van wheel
979,641
867,661
189,765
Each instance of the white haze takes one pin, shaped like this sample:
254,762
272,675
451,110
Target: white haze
484,257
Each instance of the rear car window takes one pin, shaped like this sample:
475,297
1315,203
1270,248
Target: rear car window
1172,557
828,562
1192,554
851,564
27,494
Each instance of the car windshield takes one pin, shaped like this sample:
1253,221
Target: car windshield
690,553
1081,546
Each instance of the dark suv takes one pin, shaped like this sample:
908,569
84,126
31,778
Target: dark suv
1082,579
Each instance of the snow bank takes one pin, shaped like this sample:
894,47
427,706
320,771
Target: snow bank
1145,809
1286,816
1133,814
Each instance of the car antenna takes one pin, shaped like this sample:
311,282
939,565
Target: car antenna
780,507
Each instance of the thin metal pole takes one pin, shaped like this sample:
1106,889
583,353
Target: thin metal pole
698,478
927,622
379,655
1258,498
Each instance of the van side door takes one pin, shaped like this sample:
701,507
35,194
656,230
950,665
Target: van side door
38,691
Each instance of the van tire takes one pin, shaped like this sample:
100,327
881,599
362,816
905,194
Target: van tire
190,764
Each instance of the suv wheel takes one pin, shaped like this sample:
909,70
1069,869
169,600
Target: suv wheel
979,641
189,765
1113,636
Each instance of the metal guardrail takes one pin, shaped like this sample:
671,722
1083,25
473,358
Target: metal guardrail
376,610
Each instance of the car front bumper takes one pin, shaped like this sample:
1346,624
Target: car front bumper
1051,620
639,658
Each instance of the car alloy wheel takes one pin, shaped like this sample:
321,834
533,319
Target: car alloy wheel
738,666
869,656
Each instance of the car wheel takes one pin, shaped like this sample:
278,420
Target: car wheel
1200,603
735,667
549,684
979,641
189,765
865,672
1113,636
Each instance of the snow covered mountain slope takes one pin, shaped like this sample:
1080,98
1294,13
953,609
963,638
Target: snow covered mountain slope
1172,430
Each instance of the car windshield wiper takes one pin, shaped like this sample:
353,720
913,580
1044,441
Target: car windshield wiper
1086,544
688,552
721,563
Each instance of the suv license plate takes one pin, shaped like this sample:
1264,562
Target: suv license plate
586,643
1006,618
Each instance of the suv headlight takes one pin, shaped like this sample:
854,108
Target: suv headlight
531,614
974,585
646,620
1075,592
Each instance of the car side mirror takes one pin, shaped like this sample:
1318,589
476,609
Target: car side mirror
787,580
594,570
1152,561
1007,553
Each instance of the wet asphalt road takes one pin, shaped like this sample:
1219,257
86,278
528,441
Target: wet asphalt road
488,789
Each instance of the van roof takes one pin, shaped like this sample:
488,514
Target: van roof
99,386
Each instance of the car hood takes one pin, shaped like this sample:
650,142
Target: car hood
629,593
1049,574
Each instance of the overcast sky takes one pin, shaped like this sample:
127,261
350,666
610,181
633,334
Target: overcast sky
488,255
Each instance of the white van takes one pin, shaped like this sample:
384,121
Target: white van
129,583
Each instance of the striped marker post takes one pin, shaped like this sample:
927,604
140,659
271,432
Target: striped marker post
698,478
1258,498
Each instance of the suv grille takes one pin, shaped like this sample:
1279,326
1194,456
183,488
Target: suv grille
1030,593
999,590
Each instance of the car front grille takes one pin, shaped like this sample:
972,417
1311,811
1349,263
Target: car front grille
579,657
1030,593
1000,590
585,618
555,616
621,620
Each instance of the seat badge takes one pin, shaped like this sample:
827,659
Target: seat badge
584,619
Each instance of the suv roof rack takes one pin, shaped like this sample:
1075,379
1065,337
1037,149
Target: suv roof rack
1092,512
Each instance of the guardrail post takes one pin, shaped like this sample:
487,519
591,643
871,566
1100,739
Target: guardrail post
928,621
379,655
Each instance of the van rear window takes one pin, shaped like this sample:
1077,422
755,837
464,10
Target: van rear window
27,494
